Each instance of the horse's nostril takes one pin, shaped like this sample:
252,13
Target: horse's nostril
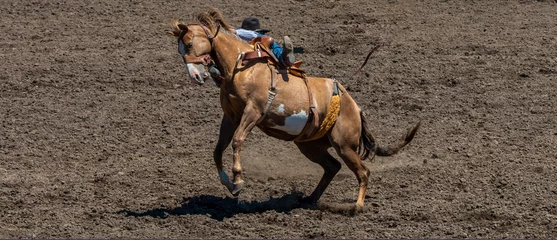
199,78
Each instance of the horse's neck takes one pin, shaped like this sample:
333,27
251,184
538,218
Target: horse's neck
228,49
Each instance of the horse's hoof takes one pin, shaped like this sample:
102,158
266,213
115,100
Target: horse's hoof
236,188
359,209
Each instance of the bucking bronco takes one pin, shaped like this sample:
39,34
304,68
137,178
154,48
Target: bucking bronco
255,91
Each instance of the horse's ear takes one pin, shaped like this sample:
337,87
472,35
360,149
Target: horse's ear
173,33
182,27
177,27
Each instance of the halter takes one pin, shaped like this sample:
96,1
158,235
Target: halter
209,34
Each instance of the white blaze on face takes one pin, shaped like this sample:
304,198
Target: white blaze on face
293,124
192,70
194,73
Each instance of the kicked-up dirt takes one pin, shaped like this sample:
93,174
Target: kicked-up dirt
103,136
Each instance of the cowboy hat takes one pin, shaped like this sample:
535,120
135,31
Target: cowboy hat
252,23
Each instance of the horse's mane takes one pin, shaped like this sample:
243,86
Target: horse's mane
211,19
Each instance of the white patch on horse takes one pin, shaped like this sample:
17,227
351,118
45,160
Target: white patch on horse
294,124
281,108
190,67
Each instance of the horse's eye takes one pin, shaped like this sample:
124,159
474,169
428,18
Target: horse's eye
184,48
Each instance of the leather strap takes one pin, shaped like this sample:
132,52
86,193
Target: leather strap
312,125
203,59
254,55
272,92
313,128
260,52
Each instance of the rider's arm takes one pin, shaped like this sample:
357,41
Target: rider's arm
247,35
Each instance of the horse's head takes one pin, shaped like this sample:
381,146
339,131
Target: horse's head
195,43
195,47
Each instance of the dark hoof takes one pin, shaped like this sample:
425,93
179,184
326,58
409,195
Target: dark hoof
237,188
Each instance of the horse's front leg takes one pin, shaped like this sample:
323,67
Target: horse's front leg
227,129
248,121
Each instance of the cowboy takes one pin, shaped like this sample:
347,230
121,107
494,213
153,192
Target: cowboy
251,29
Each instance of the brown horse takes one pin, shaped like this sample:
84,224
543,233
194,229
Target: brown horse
251,97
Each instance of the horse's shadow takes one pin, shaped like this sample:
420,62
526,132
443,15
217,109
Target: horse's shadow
220,208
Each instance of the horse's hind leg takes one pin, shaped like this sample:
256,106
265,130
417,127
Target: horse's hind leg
345,138
316,151
352,160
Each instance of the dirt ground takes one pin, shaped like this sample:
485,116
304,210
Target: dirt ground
103,136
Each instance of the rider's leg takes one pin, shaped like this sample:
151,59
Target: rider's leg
284,51
288,52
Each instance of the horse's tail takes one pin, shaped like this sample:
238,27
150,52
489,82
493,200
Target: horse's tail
367,142
368,145
394,148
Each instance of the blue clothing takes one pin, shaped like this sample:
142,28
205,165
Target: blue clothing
248,35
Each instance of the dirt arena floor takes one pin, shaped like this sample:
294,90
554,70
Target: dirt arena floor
102,135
